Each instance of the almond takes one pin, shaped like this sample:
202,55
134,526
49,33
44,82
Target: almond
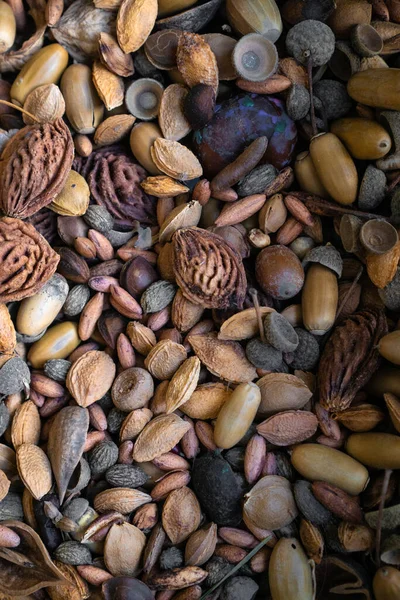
109,86
175,160
165,358
90,377
26,425
123,500
184,215
135,21
183,383
242,325
206,401
289,427
171,118
225,359
159,436
113,129
34,469
196,61
162,186
181,514
123,549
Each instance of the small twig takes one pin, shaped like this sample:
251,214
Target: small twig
385,485
20,109
254,295
237,567
393,183
310,89
349,292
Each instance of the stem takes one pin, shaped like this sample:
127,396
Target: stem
237,567
20,109
310,88
393,183
254,296
349,291
385,485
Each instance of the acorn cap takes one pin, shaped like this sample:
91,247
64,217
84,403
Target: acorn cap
263,356
350,232
390,553
254,57
143,98
311,38
365,40
378,236
280,333
372,188
327,256
334,97
298,102
390,294
344,62
306,355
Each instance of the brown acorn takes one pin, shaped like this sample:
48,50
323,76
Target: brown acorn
334,167
363,138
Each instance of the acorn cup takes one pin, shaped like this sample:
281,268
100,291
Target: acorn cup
307,175
363,138
319,299
376,87
334,167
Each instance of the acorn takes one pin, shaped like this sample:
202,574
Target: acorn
349,13
82,104
199,105
143,98
376,87
372,188
290,575
279,272
298,102
141,140
254,57
335,167
334,97
236,415
8,27
311,39
45,66
319,299
172,7
363,138
264,17
375,450
365,40
349,230
389,347
344,62
307,175
378,236
386,583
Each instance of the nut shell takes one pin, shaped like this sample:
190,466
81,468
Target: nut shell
279,272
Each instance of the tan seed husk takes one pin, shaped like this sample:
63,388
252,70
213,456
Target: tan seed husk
243,325
135,21
175,160
159,437
113,129
171,118
109,86
183,384
26,425
206,401
184,215
123,549
90,377
34,469
165,359
162,186
123,500
181,514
